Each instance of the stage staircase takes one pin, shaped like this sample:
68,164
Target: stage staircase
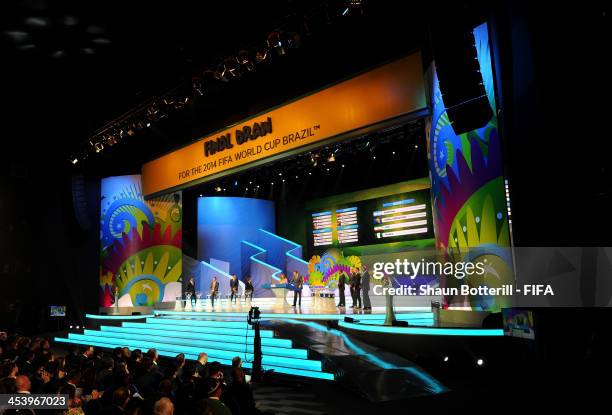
221,338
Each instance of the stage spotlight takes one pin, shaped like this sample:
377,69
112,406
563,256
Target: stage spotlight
236,183
197,86
218,189
70,327
480,362
280,174
310,173
200,195
445,359
245,60
374,157
283,180
148,124
296,177
74,160
77,327
275,42
232,65
220,73
261,54
343,166
331,158
393,153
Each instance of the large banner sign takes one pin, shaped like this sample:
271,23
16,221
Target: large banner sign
381,94
140,244
468,192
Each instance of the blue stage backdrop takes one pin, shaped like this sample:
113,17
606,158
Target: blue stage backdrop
224,222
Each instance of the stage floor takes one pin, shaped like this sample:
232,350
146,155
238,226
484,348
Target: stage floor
309,306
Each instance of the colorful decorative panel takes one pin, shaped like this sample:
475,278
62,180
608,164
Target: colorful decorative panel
468,193
140,244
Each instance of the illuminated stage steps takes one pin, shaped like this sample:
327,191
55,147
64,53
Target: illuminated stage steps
190,334
201,329
296,362
221,339
238,346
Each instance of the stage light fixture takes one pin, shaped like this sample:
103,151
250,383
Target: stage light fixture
197,85
70,327
343,166
232,66
77,327
480,362
275,42
283,180
261,54
331,158
74,160
148,124
218,189
220,73
445,359
245,60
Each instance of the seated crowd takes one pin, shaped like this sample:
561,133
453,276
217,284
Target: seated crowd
124,381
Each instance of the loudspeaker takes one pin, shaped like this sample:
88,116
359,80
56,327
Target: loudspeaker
458,69
399,323
79,201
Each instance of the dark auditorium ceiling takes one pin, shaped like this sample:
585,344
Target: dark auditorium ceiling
69,67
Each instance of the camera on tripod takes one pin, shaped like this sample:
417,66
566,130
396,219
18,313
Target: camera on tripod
254,315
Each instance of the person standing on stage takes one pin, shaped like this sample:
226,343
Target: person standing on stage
234,288
191,291
214,289
248,288
365,288
357,288
352,287
298,281
341,288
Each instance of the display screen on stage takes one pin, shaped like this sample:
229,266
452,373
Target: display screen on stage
393,218
57,311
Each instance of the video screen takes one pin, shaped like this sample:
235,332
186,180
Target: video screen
393,218
57,311
518,322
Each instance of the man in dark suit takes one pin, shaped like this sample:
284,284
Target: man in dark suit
214,289
341,288
190,290
356,288
298,281
234,288
248,288
365,287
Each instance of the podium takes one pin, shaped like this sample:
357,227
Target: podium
280,293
